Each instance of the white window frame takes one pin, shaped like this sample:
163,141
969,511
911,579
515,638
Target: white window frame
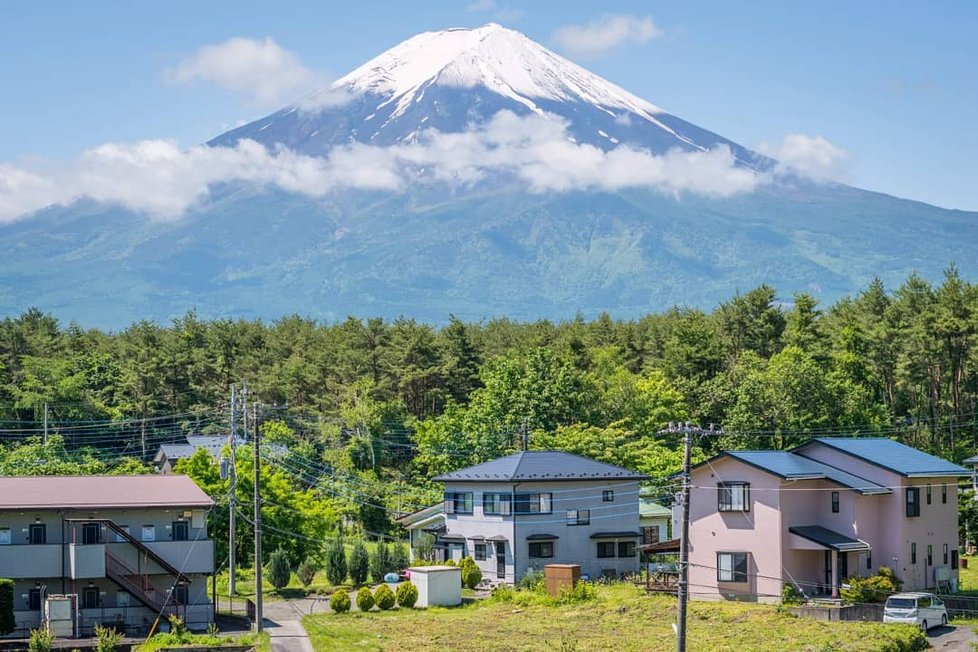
151,529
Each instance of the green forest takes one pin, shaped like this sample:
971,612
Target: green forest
370,409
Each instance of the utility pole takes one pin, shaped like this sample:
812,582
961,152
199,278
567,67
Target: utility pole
688,431
45,423
525,434
232,498
256,442
244,408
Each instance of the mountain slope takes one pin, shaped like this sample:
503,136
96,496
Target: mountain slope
491,249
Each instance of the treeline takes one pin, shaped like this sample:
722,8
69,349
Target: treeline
772,370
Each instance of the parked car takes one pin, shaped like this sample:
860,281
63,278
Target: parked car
925,610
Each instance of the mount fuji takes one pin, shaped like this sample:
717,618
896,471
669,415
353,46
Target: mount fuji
463,229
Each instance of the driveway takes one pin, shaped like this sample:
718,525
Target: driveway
282,621
953,638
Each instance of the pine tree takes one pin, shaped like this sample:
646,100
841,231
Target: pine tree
336,567
359,563
279,572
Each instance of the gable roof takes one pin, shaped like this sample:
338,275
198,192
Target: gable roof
971,460
174,452
891,455
535,466
101,492
791,466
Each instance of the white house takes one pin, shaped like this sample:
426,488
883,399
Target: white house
534,508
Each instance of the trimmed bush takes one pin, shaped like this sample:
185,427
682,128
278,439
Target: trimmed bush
365,599
384,597
339,602
471,573
279,572
7,622
380,562
306,572
336,567
400,557
407,595
359,563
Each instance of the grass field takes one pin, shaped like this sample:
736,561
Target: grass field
622,618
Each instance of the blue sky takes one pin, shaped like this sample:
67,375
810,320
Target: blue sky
893,84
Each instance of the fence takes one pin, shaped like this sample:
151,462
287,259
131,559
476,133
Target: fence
960,605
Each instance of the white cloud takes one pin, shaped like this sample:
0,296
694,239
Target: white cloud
809,156
604,34
505,13
262,70
162,180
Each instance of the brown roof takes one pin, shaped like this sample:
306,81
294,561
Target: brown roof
88,492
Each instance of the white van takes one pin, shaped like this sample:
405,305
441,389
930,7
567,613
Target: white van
925,610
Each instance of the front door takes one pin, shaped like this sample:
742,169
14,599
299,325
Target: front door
91,533
38,534
90,597
500,559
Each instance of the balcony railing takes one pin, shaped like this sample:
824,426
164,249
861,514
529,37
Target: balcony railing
30,561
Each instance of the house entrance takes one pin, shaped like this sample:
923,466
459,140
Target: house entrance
500,559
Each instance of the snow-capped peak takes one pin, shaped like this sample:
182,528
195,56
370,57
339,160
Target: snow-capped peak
500,59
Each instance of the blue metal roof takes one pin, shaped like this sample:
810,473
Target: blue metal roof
529,466
893,455
828,538
790,466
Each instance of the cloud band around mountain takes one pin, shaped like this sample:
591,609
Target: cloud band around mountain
163,180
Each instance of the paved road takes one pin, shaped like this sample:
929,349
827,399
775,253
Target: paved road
282,622
961,638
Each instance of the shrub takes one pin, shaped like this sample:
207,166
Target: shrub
107,639
41,641
790,595
279,572
339,602
532,580
7,622
400,557
384,597
471,573
359,563
336,567
870,589
407,595
306,572
379,562
365,599
424,547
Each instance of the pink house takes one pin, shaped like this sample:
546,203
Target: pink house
830,509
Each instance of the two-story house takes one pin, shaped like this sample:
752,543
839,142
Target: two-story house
534,508
827,510
131,548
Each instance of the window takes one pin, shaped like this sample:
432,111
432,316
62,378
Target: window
731,566
4,536
945,554
954,559
626,548
928,494
606,549
944,494
149,533
122,599
480,552
578,516
458,502
913,501
733,497
608,496
930,555
532,503
34,599
835,502
913,553
541,549
118,538
869,560
650,534
497,504
180,530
